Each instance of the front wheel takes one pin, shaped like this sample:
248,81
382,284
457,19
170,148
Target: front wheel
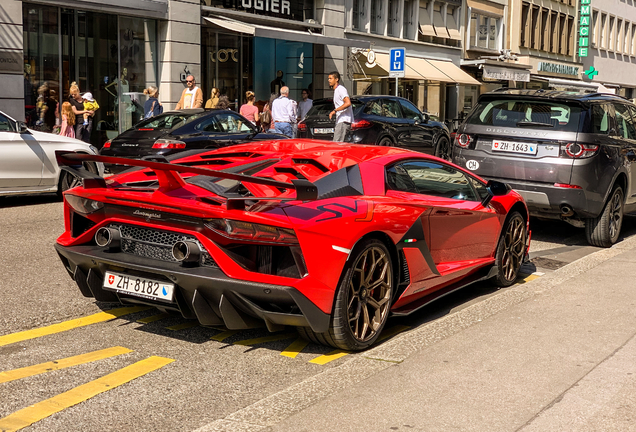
510,250
604,230
363,300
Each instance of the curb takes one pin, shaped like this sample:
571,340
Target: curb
266,413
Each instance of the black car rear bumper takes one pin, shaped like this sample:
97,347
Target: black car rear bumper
204,293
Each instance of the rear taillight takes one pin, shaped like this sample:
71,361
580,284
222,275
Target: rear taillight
168,144
567,186
361,124
302,126
579,151
463,140
252,231
106,144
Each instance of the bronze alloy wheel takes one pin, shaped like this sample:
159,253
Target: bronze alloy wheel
369,293
514,245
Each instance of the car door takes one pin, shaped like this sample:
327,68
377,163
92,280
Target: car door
421,132
628,123
396,123
21,158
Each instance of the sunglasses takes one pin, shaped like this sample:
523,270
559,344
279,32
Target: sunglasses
189,80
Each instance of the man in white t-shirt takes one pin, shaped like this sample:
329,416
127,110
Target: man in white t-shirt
343,111
192,96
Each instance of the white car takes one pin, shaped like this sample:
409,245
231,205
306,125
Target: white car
27,159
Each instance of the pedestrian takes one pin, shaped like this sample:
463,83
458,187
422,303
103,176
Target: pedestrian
214,99
249,110
192,96
342,111
283,113
90,104
267,123
68,121
77,104
224,103
152,107
305,104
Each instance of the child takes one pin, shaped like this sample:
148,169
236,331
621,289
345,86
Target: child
68,121
90,104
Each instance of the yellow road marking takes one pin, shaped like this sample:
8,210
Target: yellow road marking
28,371
69,325
329,357
183,326
387,333
531,277
224,335
266,339
295,348
153,318
36,412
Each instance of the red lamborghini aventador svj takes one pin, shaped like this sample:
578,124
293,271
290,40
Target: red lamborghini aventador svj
326,237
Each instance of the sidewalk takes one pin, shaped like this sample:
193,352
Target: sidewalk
555,354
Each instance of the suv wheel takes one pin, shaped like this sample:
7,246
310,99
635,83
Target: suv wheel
443,149
604,230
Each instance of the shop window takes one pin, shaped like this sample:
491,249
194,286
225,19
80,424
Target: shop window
426,19
377,13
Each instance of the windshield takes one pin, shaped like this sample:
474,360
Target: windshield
323,108
529,113
168,121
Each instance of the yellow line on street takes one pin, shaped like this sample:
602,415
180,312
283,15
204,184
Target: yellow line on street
28,371
295,348
36,412
69,325
531,277
266,339
183,326
329,357
387,333
224,335
153,318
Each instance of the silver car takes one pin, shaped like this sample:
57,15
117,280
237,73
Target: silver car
27,159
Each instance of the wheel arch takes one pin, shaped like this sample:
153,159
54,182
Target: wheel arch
621,180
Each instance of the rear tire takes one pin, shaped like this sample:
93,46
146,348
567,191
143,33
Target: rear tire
511,250
604,230
363,300
68,181
443,149
386,142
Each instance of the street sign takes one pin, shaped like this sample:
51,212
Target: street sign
398,63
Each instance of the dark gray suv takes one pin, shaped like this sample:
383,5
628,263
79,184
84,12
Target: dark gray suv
570,155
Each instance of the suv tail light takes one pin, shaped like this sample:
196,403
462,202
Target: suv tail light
302,126
579,151
106,144
168,144
361,124
463,140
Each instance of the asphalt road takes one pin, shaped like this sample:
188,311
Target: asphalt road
168,374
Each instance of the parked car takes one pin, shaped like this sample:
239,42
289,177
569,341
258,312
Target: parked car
326,237
570,155
27,159
381,120
176,131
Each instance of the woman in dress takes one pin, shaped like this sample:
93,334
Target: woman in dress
68,121
249,110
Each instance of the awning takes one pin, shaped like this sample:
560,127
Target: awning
258,30
418,69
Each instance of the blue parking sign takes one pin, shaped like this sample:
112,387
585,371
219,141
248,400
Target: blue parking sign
398,62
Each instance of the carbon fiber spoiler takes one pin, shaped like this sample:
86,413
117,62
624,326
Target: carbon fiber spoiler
168,174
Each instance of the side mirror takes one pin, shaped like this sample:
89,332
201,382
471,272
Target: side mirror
494,189
417,121
426,117
22,127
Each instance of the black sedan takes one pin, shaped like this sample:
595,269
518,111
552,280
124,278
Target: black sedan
381,120
176,131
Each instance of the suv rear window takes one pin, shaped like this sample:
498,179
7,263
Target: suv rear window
323,108
529,113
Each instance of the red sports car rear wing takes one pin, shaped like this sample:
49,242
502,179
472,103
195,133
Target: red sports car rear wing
168,174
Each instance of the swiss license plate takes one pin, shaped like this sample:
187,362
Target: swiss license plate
138,286
514,147
323,130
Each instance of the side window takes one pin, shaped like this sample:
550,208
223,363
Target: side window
479,187
6,125
436,179
601,119
209,125
624,122
374,108
231,123
410,111
398,179
391,109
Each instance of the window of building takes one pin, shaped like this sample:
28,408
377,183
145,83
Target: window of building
535,28
426,19
438,20
376,16
627,41
612,34
359,14
525,25
570,38
545,32
603,34
619,36
408,25
393,21
452,22
633,49
594,29
484,31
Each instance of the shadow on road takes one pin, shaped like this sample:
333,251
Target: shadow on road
28,200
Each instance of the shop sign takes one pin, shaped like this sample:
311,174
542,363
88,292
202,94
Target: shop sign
279,8
505,74
584,27
11,61
558,69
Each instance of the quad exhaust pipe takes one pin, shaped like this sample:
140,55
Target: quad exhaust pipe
108,237
187,252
